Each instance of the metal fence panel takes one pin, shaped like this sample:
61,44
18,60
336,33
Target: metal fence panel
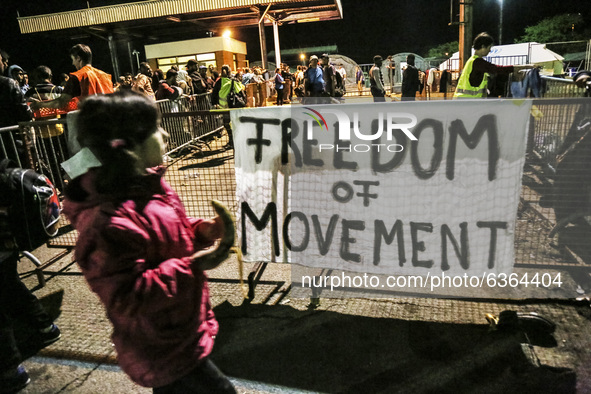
553,224
185,130
201,168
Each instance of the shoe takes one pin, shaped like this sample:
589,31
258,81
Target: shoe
49,335
14,380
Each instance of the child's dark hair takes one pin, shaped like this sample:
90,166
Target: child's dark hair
482,40
111,126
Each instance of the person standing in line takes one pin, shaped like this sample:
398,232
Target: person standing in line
143,81
157,76
410,79
288,79
376,80
168,88
260,88
84,82
330,80
198,85
359,80
313,82
279,86
341,70
184,81
18,74
219,98
13,108
299,83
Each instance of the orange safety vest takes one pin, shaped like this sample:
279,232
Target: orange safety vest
92,81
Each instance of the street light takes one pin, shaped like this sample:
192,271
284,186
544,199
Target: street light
303,59
137,57
501,24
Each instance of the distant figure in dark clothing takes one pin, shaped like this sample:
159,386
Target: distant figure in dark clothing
168,88
17,303
376,80
63,80
42,88
209,82
13,108
18,74
157,76
410,79
199,85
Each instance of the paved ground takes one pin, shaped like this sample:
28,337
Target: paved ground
278,344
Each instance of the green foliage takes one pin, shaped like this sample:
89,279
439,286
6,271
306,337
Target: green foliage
444,51
565,27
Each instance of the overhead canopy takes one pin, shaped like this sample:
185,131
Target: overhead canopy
158,18
308,50
516,54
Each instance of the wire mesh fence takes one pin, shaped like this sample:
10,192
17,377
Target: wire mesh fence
553,222
552,227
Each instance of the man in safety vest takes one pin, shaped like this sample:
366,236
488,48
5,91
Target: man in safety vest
85,81
473,82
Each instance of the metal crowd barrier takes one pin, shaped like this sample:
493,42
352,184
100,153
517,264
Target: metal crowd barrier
186,130
201,168
545,237
12,145
561,87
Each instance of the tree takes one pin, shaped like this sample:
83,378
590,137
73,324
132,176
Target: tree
565,27
444,51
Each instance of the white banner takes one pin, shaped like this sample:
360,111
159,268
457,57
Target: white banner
390,188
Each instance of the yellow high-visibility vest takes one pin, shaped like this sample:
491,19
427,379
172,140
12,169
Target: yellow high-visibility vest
464,89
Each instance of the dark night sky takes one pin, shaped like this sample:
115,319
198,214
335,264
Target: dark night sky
369,27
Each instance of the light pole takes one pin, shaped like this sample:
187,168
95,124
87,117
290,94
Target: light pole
137,57
501,24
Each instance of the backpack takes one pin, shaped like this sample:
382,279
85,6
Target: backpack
236,99
29,208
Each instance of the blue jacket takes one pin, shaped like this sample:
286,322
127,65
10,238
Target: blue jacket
315,78
279,81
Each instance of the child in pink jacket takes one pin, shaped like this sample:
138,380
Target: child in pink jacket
139,251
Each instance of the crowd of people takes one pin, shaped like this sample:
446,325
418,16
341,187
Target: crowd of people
320,81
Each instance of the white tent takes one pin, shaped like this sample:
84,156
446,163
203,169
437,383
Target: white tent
515,54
